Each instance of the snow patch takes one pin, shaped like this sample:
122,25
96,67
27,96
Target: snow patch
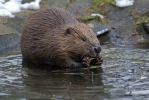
124,3
15,6
99,15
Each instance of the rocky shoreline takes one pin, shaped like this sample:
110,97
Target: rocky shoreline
128,25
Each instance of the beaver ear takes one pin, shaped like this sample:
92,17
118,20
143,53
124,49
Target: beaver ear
68,31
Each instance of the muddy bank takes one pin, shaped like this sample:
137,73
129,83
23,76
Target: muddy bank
130,23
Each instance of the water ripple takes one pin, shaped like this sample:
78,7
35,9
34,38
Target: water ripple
124,74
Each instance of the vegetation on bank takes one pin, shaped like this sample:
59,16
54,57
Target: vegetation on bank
143,18
97,18
96,4
96,7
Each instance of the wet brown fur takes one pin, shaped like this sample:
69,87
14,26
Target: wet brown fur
54,35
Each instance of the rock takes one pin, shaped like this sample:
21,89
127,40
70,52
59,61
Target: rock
100,30
8,41
11,30
124,21
142,26
79,8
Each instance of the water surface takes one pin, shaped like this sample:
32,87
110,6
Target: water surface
123,76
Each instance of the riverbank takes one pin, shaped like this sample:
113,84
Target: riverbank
129,25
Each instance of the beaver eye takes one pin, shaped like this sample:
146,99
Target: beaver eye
83,38
68,31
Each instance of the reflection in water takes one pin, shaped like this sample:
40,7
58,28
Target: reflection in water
62,86
124,74
143,45
66,85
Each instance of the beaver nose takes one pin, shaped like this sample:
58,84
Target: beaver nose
97,49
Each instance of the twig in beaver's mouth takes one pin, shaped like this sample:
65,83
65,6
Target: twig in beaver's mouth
89,61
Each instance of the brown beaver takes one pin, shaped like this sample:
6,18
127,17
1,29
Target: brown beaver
54,35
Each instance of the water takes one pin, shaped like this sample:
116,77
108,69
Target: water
123,76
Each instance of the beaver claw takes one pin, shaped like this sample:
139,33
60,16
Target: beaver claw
86,61
96,61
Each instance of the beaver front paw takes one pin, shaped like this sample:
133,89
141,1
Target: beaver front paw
97,61
86,61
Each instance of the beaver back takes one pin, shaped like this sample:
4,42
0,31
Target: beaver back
48,18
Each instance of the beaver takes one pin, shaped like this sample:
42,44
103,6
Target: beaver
52,35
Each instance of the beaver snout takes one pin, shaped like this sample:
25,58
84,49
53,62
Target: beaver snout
93,56
97,49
